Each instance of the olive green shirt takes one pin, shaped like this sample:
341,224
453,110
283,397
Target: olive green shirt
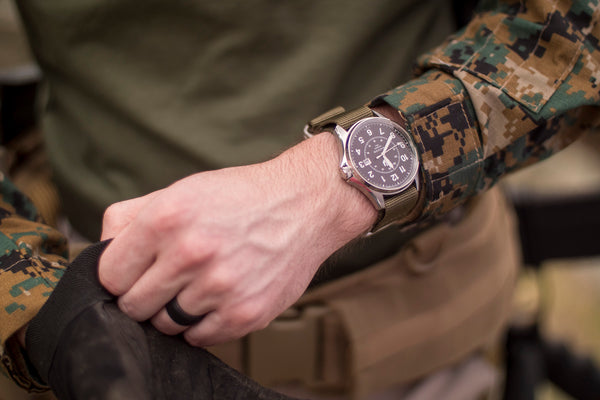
140,94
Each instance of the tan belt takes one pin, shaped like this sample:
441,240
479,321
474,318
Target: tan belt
443,296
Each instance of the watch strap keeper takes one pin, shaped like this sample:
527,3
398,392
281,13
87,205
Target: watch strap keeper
336,116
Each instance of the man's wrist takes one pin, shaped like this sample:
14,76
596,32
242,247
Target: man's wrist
350,212
392,187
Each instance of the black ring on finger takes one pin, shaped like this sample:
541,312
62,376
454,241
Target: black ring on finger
179,316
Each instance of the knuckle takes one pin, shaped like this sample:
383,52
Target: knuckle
188,260
111,283
113,210
243,317
190,251
112,215
131,309
220,282
178,266
193,340
163,219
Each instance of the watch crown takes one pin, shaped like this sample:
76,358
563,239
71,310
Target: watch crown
346,172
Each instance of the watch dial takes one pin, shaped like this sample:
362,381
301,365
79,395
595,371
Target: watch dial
381,154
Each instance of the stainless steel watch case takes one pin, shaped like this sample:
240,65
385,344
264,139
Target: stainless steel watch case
350,174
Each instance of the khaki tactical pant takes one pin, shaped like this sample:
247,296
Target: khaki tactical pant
444,296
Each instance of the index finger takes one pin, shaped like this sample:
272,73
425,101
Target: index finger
126,259
119,215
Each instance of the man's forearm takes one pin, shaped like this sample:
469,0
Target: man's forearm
237,245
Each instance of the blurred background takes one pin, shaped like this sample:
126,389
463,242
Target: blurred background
564,294
567,291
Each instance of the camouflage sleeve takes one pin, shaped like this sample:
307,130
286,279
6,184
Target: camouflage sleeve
32,260
517,84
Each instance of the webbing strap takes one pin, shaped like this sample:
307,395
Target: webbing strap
303,345
338,116
397,207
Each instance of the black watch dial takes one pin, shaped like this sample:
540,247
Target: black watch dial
382,154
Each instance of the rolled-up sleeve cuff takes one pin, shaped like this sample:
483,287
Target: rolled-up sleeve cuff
442,123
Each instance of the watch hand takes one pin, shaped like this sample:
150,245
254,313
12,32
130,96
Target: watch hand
391,148
387,161
387,143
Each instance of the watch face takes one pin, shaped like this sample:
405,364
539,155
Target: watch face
382,154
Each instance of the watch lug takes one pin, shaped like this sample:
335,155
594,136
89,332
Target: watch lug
345,169
341,133
379,200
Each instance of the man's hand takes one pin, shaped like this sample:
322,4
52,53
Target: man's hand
80,334
239,244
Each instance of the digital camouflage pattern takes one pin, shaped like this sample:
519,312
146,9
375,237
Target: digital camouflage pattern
32,261
513,87
517,84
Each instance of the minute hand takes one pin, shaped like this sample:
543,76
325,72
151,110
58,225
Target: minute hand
387,143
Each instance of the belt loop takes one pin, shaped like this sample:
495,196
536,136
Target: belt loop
296,347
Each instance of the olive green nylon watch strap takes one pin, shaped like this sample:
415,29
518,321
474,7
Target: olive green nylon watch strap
338,116
396,206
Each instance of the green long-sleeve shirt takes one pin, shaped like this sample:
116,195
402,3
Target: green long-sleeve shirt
140,94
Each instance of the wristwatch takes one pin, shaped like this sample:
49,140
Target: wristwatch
378,158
